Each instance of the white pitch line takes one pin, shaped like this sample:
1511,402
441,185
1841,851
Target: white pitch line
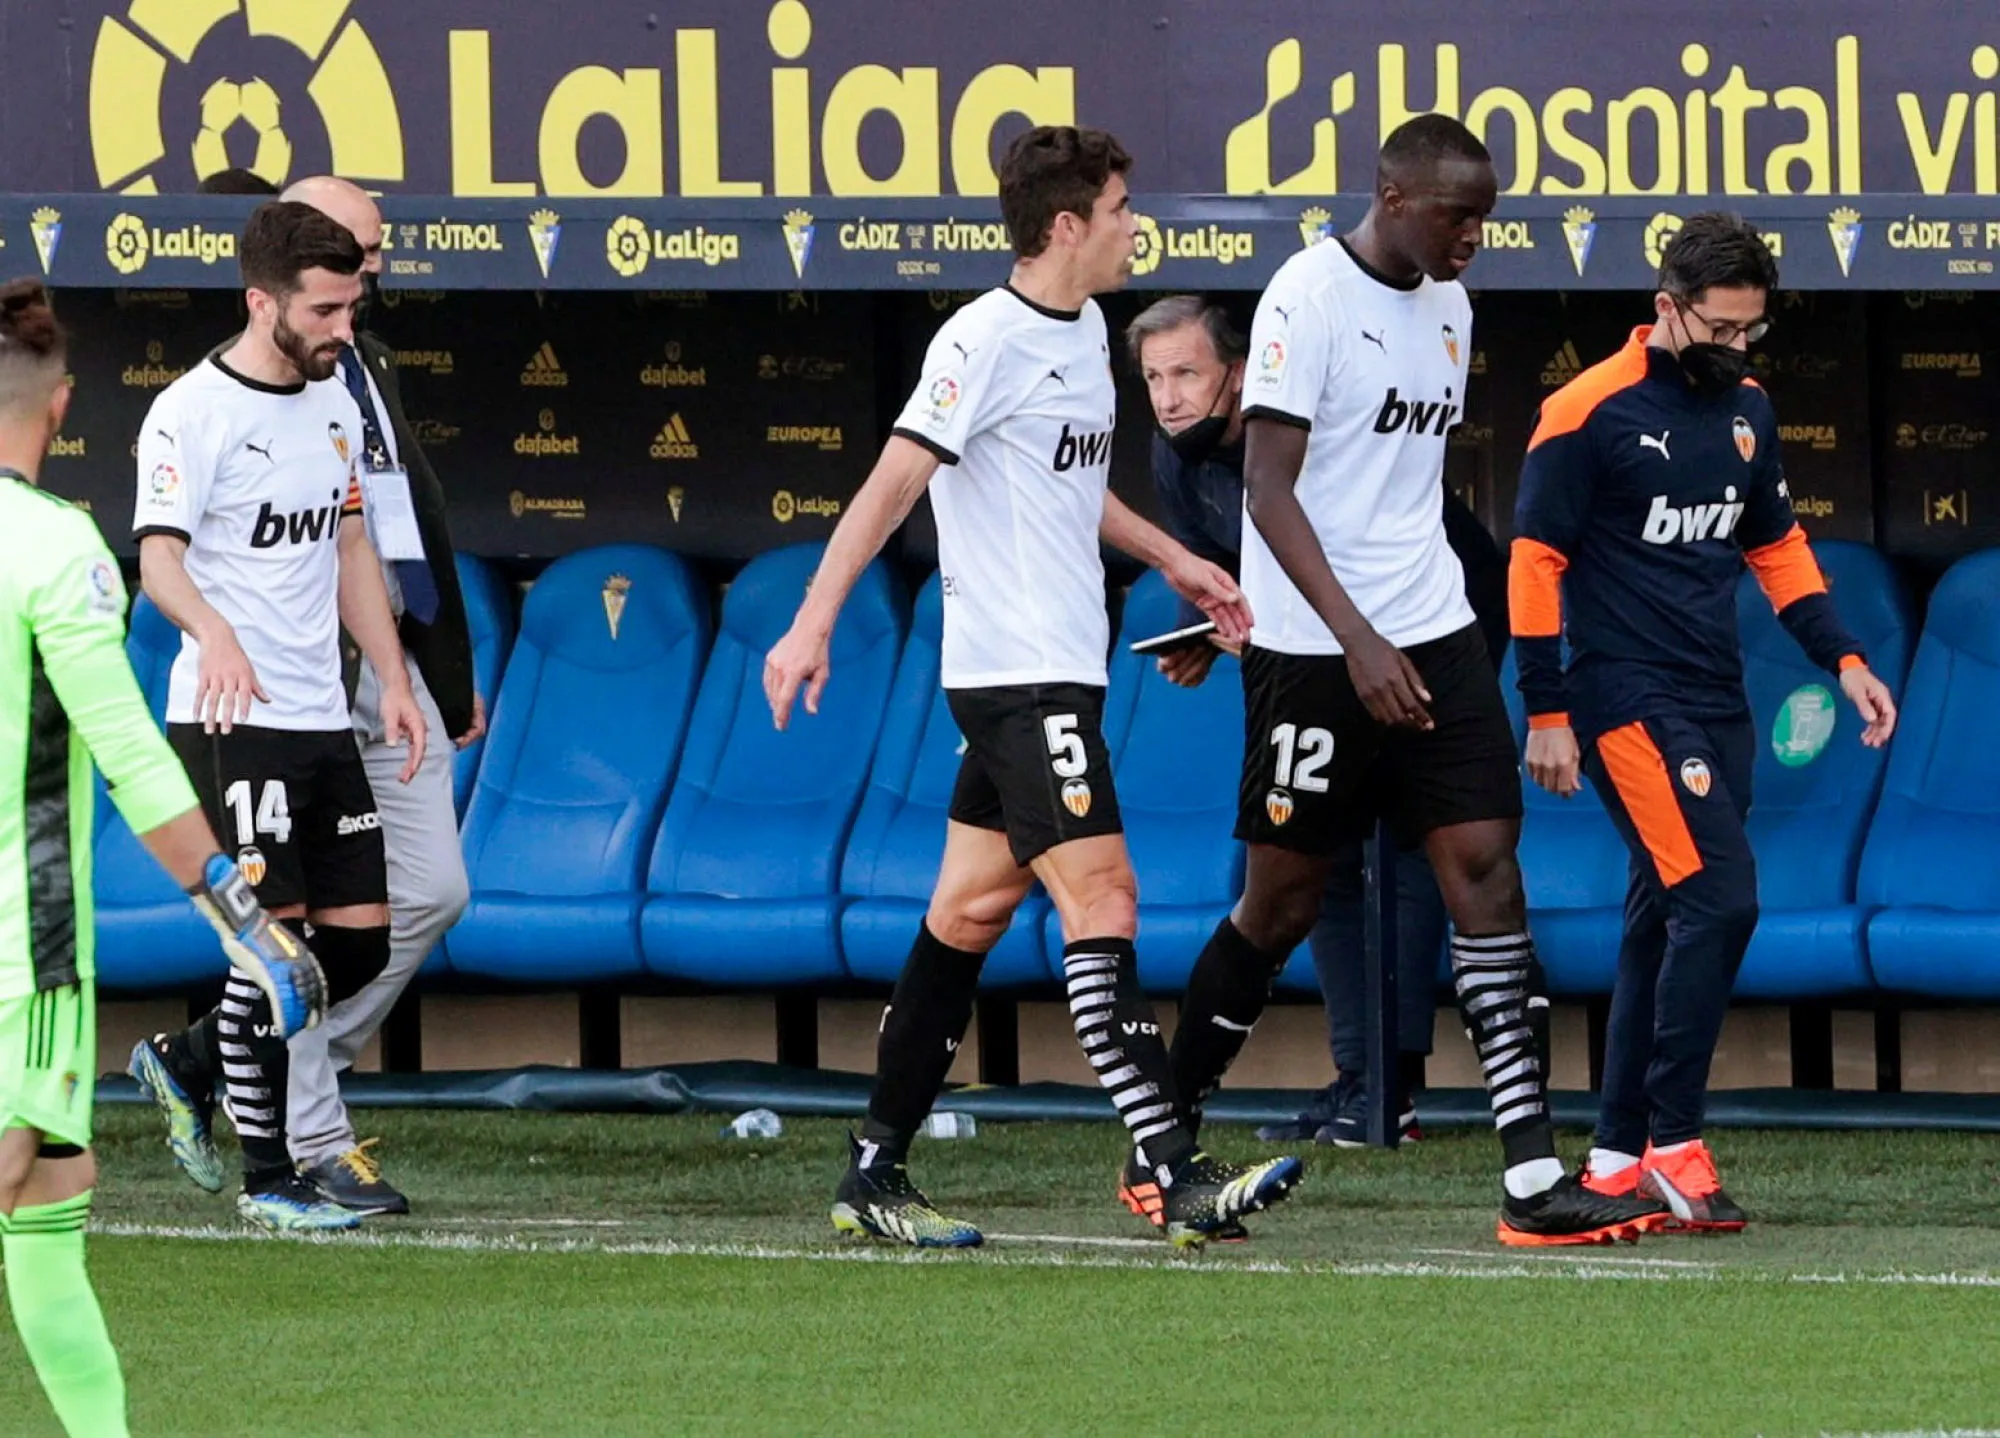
1502,1268
1067,1241
1572,1257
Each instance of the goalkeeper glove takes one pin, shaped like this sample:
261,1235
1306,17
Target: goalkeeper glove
266,953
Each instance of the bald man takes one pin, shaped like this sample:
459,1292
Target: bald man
427,882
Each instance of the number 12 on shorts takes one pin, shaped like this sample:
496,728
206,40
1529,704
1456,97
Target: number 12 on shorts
1302,755
1069,761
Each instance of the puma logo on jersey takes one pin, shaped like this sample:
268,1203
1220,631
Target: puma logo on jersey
1687,523
1057,376
263,449
1646,441
1376,340
300,526
1091,448
1418,416
964,354
1282,313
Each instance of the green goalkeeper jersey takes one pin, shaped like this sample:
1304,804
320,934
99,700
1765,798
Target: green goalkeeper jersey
67,694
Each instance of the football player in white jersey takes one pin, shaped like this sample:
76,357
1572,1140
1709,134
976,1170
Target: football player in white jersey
1369,690
251,540
1013,416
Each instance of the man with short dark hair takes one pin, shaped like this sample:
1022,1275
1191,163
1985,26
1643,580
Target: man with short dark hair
428,889
1014,417
1369,691
251,541
1651,479
1191,357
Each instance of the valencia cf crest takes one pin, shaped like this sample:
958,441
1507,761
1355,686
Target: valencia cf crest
1746,438
251,861
1278,807
1451,343
338,435
1076,797
1695,777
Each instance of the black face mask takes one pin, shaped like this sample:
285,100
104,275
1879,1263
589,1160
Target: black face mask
371,298
1201,439
1713,369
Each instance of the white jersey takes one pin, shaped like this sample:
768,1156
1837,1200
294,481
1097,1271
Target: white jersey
1018,399
1377,374
256,478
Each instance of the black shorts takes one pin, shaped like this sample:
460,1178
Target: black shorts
1319,771
296,810
1035,765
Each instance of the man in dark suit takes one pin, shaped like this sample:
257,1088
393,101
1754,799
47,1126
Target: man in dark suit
405,508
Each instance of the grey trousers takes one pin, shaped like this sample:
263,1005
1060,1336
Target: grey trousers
427,893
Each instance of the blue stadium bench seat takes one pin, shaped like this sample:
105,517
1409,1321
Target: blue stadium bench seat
1177,759
1929,860
149,937
592,717
489,614
898,840
1816,784
745,877
1573,866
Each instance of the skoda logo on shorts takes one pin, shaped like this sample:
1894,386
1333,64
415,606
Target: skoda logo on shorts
251,862
1278,806
1695,777
1076,797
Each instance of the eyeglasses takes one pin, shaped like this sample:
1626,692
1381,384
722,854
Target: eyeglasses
1725,332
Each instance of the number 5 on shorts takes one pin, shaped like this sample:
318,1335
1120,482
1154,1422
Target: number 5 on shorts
1069,760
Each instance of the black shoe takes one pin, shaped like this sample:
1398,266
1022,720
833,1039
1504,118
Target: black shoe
354,1181
879,1201
1207,1195
1570,1213
1349,1126
1318,1114
1140,1194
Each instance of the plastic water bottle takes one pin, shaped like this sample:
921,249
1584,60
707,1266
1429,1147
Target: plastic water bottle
757,1123
950,1125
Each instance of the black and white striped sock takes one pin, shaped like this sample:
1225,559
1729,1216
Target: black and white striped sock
1120,1035
1494,978
255,1069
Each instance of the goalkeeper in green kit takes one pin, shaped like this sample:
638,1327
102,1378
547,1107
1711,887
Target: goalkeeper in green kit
68,696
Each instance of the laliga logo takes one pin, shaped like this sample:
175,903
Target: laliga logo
1151,248
128,77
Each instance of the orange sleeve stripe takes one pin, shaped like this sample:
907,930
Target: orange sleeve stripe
1565,411
1558,720
1638,771
1851,661
1786,569
1534,589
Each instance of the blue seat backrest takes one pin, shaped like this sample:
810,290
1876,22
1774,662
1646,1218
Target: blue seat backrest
123,872
898,836
489,616
1816,783
1571,855
1178,757
592,717
757,813
1937,825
